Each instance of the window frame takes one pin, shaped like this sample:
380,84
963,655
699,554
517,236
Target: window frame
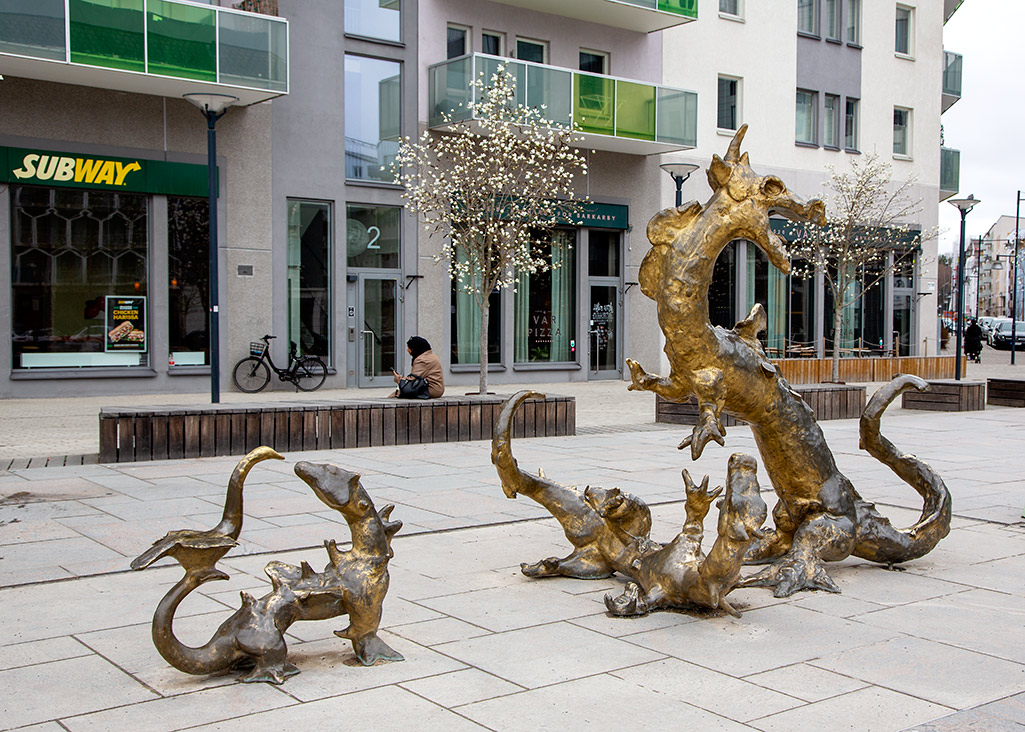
604,55
909,34
851,137
908,113
736,103
831,141
354,107
355,32
467,40
832,29
329,275
853,30
737,14
814,29
536,41
813,106
495,34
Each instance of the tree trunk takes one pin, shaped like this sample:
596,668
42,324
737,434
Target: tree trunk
837,323
485,309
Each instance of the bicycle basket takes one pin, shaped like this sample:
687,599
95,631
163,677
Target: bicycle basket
256,348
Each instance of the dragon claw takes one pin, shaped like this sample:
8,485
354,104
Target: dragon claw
787,576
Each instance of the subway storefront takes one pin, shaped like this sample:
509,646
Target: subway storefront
84,234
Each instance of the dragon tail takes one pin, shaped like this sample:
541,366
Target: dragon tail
878,540
513,479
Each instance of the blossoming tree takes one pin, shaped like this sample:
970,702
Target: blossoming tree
492,186
869,218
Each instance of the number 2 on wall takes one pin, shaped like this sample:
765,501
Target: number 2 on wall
376,235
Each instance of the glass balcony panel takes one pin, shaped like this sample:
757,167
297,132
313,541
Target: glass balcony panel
686,8
653,4
635,110
253,51
181,40
450,90
952,73
950,170
33,28
108,33
487,67
677,117
594,103
552,88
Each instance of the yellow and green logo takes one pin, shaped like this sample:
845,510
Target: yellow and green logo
92,171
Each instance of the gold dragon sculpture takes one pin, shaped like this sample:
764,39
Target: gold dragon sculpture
819,516
354,582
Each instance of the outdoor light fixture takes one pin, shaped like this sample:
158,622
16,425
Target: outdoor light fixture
964,205
213,107
679,172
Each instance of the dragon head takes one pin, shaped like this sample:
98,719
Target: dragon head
753,197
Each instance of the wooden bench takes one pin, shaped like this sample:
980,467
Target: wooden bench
130,434
1006,392
827,401
947,396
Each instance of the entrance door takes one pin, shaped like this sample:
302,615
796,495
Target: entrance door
377,325
603,331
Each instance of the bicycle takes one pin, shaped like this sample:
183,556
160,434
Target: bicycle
251,374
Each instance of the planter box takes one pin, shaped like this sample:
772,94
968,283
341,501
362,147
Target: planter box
1006,392
948,396
827,401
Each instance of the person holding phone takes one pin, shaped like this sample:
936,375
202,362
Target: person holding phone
425,364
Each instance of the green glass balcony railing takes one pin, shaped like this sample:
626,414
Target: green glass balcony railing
161,37
951,78
596,104
950,172
686,8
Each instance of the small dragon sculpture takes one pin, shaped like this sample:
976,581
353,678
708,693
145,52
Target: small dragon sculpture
819,516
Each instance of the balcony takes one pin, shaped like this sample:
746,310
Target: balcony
949,8
951,79
643,16
615,115
950,172
161,47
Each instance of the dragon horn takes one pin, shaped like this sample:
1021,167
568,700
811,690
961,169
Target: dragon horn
733,153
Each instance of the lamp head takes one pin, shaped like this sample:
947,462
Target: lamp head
964,205
679,171
207,103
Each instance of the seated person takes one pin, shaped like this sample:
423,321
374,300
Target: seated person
425,364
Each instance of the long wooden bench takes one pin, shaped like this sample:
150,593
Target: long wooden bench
827,401
947,396
130,434
1006,392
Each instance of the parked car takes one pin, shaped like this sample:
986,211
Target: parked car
993,325
985,321
1002,335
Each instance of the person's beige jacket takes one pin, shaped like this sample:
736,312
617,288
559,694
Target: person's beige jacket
429,366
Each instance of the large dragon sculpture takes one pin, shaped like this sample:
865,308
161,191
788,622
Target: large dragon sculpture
819,516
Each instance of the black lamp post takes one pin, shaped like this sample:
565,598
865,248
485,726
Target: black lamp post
213,107
679,172
964,205
1014,274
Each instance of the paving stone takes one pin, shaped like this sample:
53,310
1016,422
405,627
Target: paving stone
879,710
439,630
805,681
461,687
43,651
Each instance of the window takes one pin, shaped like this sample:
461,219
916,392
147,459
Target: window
902,43
372,117
309,277
71,251
596,62
850,125
806,122
901,131
530,50
188,273
854,22
727,113
457,36
545,306
465,324
372,236
831,122
374,19
807,17
492,43
730,7
832,18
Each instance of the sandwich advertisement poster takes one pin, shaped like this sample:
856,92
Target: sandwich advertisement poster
126,324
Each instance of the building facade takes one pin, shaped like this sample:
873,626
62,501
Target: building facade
103,203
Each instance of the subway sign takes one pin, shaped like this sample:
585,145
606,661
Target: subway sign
101,172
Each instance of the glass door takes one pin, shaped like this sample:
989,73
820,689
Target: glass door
377,324
603,332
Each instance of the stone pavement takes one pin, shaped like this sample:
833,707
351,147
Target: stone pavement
936,647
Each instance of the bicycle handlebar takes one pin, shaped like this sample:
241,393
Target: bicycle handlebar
268,337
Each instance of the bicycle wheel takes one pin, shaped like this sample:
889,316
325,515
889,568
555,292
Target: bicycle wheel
310,373
251,375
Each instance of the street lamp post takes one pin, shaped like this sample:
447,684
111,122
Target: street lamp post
213,107
964,205
679,172
1014,275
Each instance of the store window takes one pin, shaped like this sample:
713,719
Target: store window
381,19
372,236
78,258
727,114
188,277
466,321
851,125
309,277
831,122
722,292
373,111
807,17
901,132
545,305
806,122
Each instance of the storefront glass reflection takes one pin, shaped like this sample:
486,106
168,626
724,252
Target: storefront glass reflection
188,274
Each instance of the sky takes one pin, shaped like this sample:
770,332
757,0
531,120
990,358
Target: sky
988,123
